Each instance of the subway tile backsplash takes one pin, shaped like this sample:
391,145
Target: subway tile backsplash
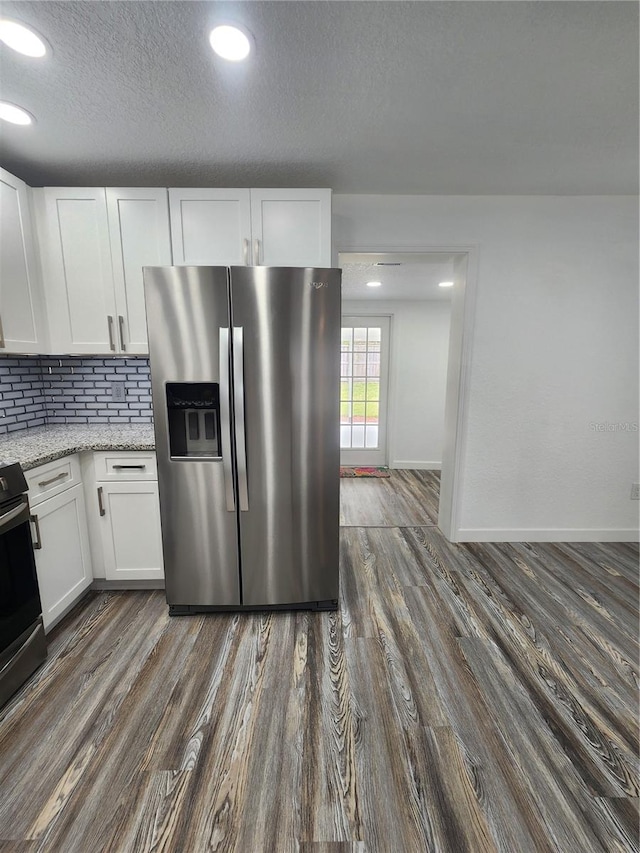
38,390
22,399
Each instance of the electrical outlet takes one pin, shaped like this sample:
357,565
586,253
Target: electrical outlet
118,392
635,491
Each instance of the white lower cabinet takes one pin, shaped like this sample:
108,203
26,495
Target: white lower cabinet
63,558
96,515
130,530
124,516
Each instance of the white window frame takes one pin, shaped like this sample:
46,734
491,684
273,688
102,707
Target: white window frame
367,455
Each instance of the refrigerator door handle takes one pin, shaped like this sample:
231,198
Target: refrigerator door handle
238,401
225,419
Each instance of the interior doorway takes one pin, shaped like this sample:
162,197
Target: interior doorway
422,293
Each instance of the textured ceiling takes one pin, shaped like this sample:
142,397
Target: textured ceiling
416,278
366,97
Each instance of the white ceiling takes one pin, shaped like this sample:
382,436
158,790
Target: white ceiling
366,97
417,276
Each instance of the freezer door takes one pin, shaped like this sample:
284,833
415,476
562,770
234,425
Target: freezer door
189,351
286,368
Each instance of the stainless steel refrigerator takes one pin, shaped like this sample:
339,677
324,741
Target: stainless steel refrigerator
245,365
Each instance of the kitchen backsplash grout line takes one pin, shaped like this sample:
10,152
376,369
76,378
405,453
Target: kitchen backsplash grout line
39,390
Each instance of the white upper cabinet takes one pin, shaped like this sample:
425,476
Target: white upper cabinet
291,228
234,227
78,277
94,245
140,237
21,301
210,227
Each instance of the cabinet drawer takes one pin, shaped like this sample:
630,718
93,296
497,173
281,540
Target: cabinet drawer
119,465
52,478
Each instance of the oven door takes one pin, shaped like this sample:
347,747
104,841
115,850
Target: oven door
22,644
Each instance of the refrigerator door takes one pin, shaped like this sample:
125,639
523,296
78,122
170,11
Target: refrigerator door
286,368
189,349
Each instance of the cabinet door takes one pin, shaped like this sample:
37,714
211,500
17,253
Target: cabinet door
291,228
63,563
140,237
78,278
21,302
130,529
210,227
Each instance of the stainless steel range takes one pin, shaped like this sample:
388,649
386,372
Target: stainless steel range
22,641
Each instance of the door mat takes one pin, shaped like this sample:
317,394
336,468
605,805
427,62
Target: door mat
365,471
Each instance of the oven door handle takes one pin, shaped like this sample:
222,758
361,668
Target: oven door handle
7,517
14,659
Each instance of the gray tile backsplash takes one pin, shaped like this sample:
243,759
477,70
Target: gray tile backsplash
35,390
22,398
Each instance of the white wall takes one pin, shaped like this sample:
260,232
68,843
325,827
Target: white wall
554,351
417,377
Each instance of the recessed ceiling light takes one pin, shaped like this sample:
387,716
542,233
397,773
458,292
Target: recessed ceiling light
21,38
374,284
230,43
14,114
446,284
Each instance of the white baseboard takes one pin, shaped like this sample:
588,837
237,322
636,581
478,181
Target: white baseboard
101,584
487,534
415,466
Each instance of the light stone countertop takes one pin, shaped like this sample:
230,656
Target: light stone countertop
35,446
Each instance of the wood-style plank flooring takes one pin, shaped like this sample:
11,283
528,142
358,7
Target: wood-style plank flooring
405,499
464,698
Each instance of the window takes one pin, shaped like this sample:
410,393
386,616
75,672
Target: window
360,375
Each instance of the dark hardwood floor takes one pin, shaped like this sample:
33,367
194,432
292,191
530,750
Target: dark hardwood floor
465,698
405,499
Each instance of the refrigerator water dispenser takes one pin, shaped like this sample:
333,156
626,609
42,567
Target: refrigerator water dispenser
193,410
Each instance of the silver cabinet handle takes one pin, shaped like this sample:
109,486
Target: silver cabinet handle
60,476
256,252
112,345
137,467
238,403
121,330
38,543
2,341
245,251
225,419
101,508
